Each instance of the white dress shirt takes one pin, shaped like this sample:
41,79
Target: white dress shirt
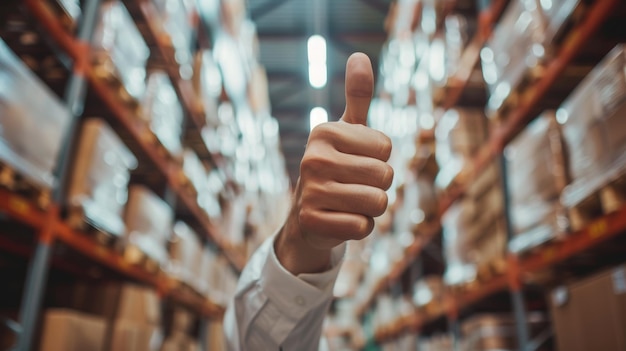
274,310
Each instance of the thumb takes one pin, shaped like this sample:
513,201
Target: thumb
359,89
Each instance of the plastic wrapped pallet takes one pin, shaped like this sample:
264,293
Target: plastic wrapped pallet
594,129
208,266
486,332
66,330
459,267
515,47
536,174
556,14
100,177
207,83
119,50
176,19
458,135
428,295
185,255
33,122
163,111
194,170
149,223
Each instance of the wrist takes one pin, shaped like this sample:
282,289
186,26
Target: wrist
296,255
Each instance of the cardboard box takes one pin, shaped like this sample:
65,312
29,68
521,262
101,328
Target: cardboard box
33,125
131,336
149,222
100,177
66,330
591,314
127,302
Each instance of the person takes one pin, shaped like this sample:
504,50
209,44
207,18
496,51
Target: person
285,290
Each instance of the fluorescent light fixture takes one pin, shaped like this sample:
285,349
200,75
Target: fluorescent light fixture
317,50
318,71
318,76
317,117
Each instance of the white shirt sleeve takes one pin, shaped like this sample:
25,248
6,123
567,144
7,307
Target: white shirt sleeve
274,310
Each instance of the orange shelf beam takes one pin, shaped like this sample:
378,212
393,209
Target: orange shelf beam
18,207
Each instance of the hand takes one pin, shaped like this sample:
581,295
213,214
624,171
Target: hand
343,178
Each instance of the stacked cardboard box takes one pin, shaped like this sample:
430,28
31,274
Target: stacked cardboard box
67,330
536,173
118,49
179,338
99,185
185,255
149,223
459,134
591,314
594,129
163,112
474,230
33,125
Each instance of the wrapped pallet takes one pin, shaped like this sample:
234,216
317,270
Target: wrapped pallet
163,112
515,48
185,255
99,186
536,172
458,135
207,83
594,129
176,17
486,332
33,123
149,223
194,170
119,51
460,268
67,330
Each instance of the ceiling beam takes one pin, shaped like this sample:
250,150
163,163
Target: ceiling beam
259,11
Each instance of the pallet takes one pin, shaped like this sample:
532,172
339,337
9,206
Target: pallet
135,256
186,184
104,70
490,269
77,220
608,198
14,181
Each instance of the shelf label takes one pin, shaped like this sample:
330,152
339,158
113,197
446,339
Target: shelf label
598,229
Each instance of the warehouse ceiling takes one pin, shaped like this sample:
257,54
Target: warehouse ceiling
283,28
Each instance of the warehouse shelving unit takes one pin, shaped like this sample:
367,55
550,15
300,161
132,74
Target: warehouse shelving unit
48,223
540,259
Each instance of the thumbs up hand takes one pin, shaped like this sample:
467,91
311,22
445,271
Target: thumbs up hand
343,178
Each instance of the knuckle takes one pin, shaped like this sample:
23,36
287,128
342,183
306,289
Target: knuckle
379,203
362,228
387,176
313,161
385,147
306,218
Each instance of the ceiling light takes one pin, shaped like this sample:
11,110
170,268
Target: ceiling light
317,117
318,71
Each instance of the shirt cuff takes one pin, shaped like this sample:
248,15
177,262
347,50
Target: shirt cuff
296,296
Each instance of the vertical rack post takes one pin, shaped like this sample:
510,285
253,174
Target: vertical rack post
204,330
515,286
75,95
34,284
